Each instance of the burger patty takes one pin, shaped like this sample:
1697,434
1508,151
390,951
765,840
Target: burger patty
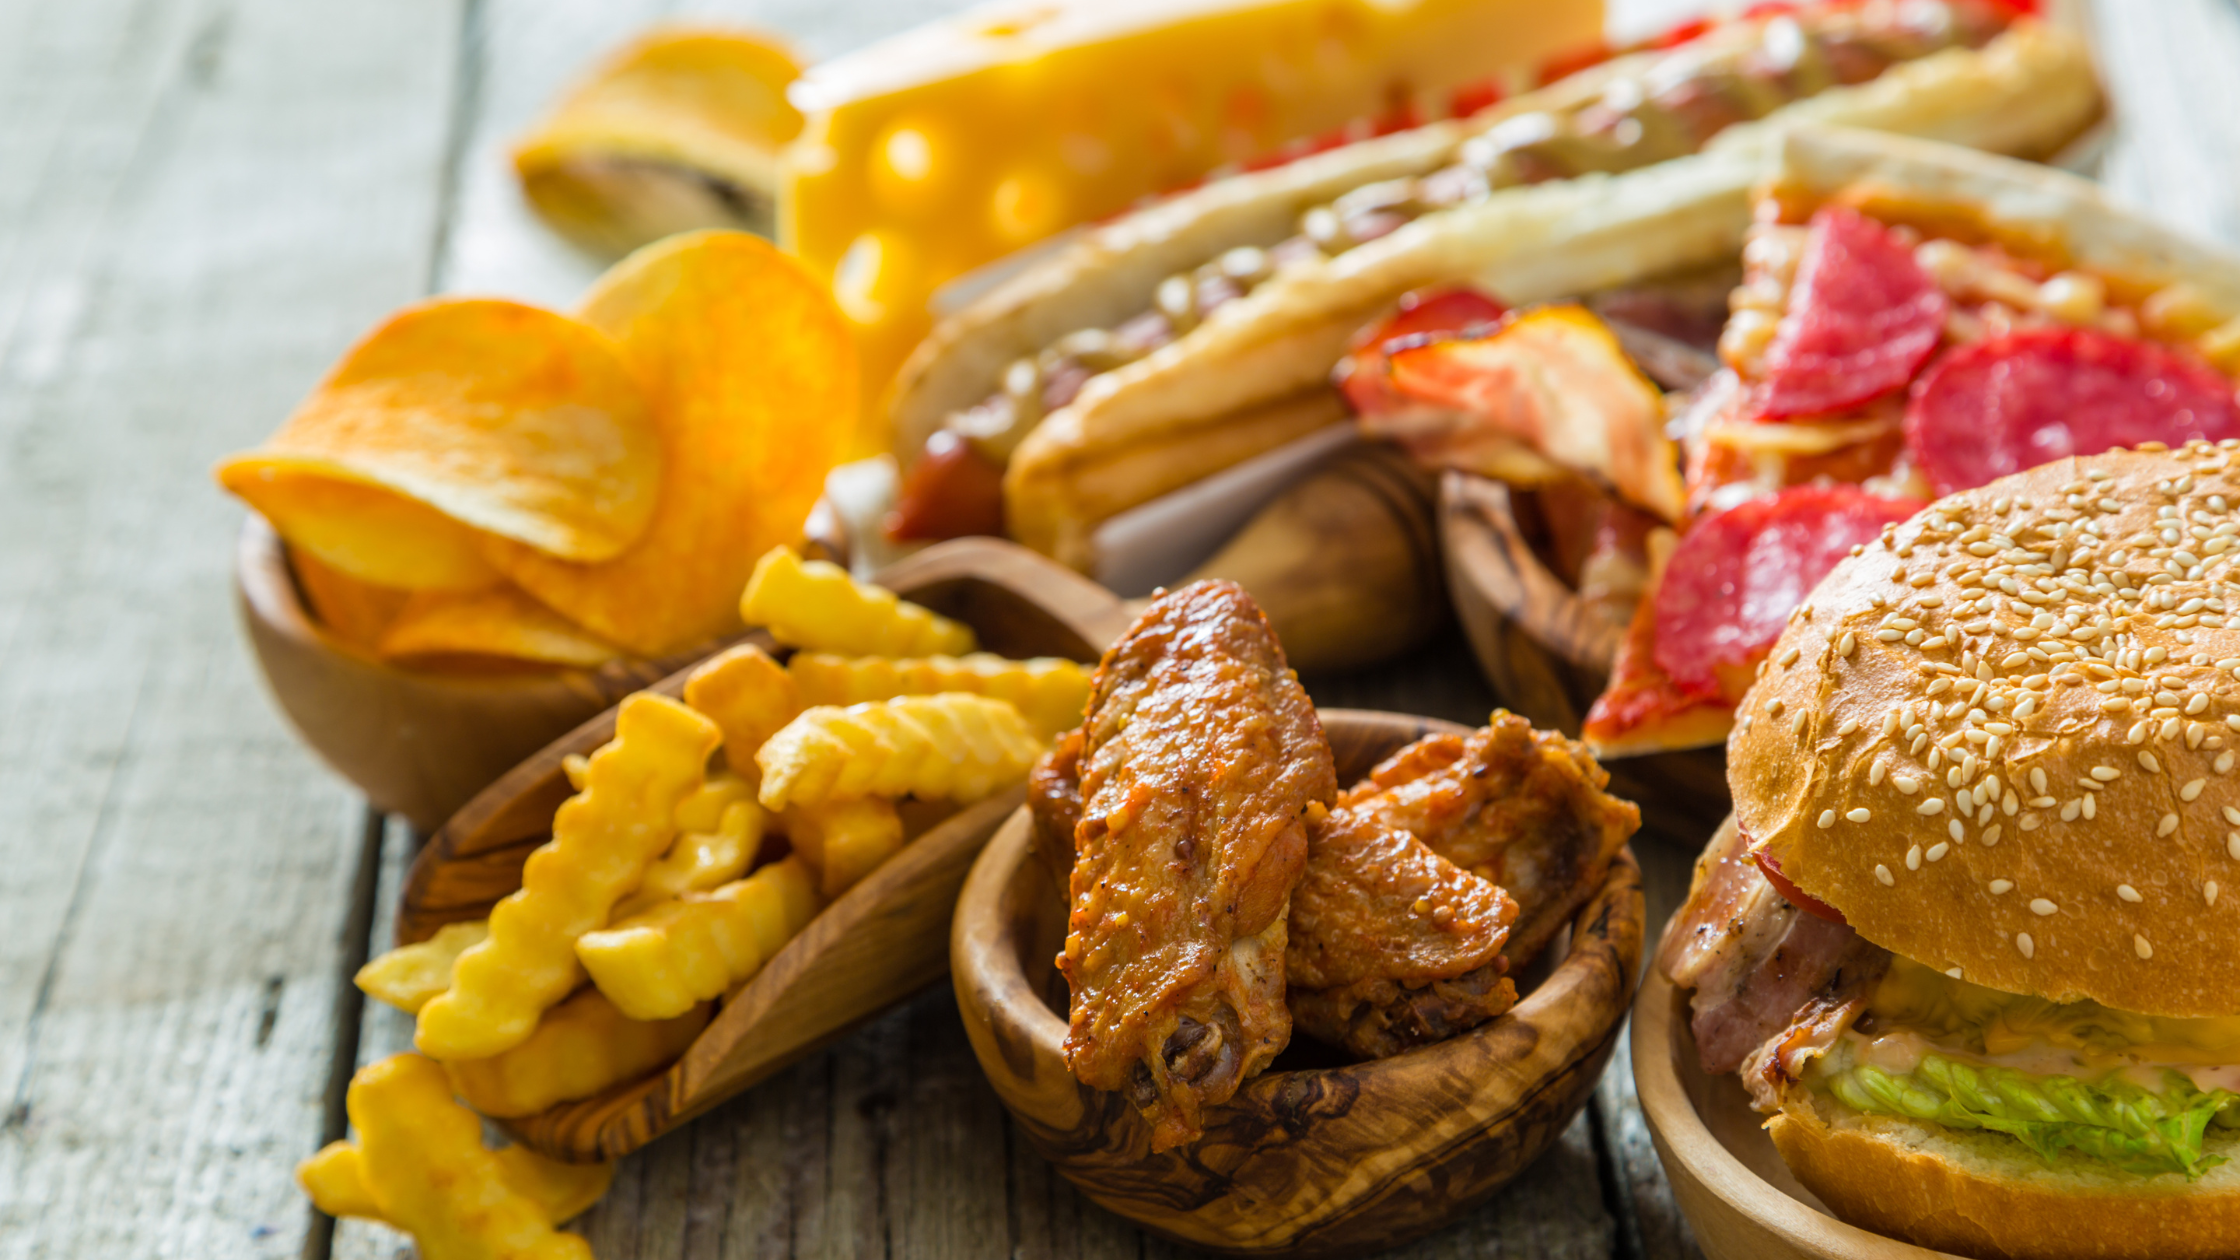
1754,960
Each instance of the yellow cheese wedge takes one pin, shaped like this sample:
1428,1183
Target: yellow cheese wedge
933,153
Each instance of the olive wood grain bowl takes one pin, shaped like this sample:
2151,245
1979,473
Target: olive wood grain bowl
877,943
1740,1199
1307,1161
1547,653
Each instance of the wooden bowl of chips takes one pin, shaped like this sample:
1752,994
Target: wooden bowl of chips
1547,653
417,742
1739,1197
1304,1160
874,945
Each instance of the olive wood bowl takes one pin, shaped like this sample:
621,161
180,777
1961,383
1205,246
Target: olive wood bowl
1303,1161
1547,654
877,943
416,742
1740,1199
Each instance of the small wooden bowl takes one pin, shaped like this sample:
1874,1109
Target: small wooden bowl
878,943
1740,1199
1305,1162
1548,655
417,743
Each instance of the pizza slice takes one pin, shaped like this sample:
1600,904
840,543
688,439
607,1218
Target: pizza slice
1913,320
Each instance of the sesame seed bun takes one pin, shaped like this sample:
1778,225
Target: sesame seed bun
1964,1191
2048,809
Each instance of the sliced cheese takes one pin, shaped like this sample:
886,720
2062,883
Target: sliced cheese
933,153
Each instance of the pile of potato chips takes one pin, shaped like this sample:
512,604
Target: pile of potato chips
481,482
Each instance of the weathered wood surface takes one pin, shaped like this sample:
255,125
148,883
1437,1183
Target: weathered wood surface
202,202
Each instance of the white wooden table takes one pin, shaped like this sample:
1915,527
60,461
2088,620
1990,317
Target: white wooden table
202,202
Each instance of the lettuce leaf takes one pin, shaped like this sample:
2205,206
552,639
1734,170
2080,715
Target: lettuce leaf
2113,1120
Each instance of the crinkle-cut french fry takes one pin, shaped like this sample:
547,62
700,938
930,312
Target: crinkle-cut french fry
702,944
1050,690
703,810
844,840
408,976
747,694
814,604
426,1168
336,1180
582,1047
701,860
953,745
603,839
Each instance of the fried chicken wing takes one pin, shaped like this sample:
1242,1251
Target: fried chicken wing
1054,802
1391,945
1201,764
1522,808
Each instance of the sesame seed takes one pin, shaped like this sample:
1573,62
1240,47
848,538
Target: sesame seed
2041,907
1913,858
1954,972
2128,893
1906,784
2139,946
2192,789
1875,773
1889,636
1862,815
1991,833
2069,810
1882,873
2223,763
1788,657
2232,844
1774,707
2209,892
2199,702
1846,644
1999,886
2028,822
2106,774
2148,763
2089,808
1954,830
2038,779
2023,942
1827,819
1934,805
2168,824
1937,851
1847,727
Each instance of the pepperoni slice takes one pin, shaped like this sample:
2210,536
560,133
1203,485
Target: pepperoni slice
1735,577
2035,395
1862,318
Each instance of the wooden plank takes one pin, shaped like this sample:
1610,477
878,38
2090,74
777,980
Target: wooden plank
201,204
2169,67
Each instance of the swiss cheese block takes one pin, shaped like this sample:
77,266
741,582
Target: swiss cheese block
955,144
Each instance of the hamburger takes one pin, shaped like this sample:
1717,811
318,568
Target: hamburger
1972,937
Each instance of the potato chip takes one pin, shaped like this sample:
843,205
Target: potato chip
508,418
499,621
753,380
364,532
353,611
680,129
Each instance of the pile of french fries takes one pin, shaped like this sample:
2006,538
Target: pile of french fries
699,841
